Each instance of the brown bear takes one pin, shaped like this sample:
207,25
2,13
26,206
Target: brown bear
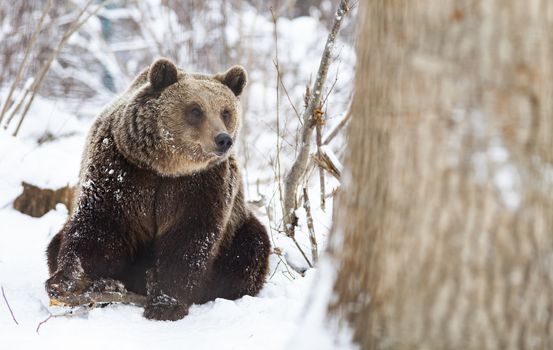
160,205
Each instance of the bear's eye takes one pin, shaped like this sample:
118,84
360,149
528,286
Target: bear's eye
195,114
226,116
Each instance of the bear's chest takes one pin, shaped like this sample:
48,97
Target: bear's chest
153,205
187,201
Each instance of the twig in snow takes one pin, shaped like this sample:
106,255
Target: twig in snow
43,322
293,238
299,167
278,252
71,313
302,253
297,246
9,307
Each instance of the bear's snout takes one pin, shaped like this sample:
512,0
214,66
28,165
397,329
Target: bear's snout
223,142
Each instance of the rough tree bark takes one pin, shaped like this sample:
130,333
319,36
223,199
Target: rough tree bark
443,235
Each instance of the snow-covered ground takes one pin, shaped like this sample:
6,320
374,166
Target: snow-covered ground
263,322
266,321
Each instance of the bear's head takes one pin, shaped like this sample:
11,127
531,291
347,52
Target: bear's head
178,123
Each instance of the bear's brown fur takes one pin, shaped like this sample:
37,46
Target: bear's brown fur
160,204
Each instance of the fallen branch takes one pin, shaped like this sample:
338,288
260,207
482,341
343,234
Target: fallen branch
92,299
299,166
9,307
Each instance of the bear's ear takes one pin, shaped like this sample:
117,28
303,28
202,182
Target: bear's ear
162,73
235,78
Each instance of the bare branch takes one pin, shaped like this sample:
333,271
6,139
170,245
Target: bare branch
318,137
288,95
43,322
75,25
19,102
300,164
331,86
277,170
8,304
323,160
282,260
302,252
23,63
332,134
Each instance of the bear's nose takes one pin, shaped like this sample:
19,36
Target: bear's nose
223,142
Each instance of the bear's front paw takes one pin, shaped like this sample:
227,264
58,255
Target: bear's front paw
61,285
165,308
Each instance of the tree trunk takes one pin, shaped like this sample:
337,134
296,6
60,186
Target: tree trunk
443,235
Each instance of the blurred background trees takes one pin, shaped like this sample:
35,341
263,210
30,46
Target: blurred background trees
124,36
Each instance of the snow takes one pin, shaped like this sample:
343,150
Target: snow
246,323
265,321
317,331
270,320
